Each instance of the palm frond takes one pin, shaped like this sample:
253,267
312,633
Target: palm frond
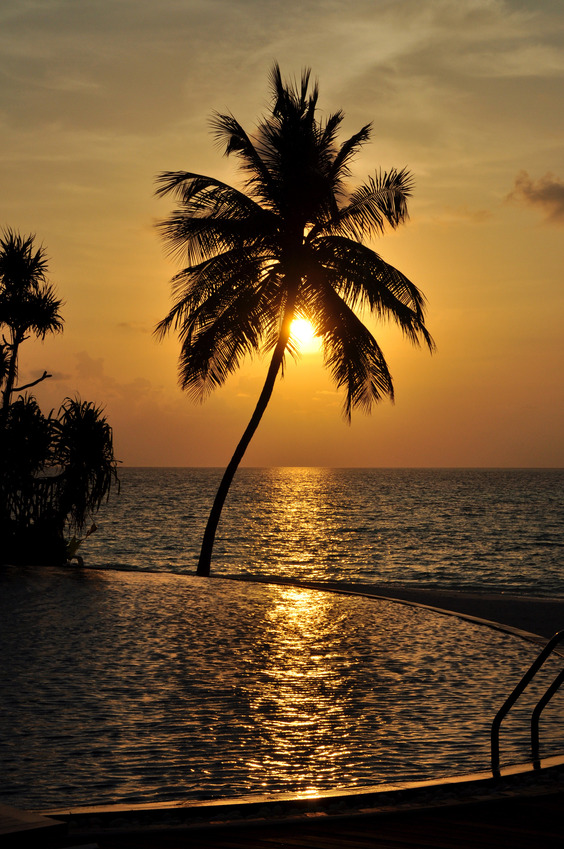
83,448
327,132
207,288
381,201
227,129
204,195
353,356
20,261
340,167
212,218
28,303
196,239
214,343
292,98
43,314
364,280
225,309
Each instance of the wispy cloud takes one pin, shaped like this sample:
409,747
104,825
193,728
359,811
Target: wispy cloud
547,193
134,327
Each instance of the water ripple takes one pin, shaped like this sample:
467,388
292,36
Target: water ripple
496,530
149,687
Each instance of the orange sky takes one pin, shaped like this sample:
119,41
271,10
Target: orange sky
98,97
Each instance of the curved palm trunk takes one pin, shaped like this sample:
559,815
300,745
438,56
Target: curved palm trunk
204,563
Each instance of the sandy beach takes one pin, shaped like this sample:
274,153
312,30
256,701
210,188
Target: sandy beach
537,615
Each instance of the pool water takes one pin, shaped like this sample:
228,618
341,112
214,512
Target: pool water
137,688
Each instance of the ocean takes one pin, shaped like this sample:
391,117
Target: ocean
484,530
138,682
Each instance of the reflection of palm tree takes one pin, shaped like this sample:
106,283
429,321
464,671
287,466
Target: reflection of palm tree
27,304
290,246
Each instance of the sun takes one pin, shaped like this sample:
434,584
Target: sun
302,334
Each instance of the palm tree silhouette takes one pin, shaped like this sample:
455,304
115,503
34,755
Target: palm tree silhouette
27,305
55,472
290,245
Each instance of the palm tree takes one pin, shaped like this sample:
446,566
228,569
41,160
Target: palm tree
55,472
290,245
83,450
27,305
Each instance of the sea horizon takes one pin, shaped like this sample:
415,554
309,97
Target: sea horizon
318,466
479,529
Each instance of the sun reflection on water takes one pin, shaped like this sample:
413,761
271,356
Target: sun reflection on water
299,694
146,688
299,518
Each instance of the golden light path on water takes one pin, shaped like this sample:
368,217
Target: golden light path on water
470,529
150,687
129,687
306,510
297,697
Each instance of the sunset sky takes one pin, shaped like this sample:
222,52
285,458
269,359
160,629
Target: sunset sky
99,96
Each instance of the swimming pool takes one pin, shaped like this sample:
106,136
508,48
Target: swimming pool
143,688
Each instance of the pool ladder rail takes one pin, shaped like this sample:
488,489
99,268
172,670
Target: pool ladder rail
541,704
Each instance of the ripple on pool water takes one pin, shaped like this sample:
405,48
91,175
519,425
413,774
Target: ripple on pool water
150,687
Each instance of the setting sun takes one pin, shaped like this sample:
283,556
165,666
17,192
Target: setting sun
303,335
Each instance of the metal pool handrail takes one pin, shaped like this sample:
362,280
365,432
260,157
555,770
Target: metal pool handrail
510,701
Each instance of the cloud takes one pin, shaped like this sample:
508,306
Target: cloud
463,213
56,374
134,327
547,193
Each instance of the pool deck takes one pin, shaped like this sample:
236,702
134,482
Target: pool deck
513,811
534,823
23,828
520,812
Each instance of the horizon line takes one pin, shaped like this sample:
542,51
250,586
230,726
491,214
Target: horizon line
384,468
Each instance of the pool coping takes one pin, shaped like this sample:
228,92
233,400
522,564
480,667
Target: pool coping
516,780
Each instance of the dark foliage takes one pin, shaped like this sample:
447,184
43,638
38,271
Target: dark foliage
55,471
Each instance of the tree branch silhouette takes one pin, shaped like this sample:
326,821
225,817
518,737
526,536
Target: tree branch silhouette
44,376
